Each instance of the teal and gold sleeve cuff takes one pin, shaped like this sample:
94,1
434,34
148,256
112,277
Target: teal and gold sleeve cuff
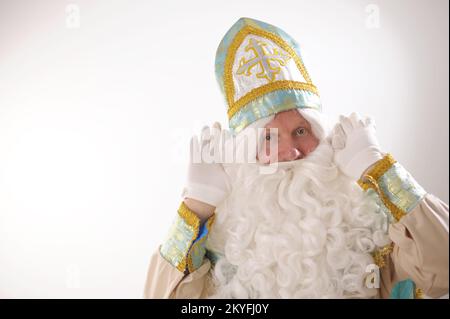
397,189
184,246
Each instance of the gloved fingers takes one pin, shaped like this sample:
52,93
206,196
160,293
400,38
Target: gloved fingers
368,121
205,134
338,130
355,119
215,133
337,142
338,137
206,144
222,141
217,142
201,147
217,125
229,146
346,124
212,132
208,155
227,136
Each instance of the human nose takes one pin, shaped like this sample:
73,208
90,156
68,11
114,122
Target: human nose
289,152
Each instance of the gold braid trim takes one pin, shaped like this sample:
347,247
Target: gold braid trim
419,293
380,167
189,216
209,223
370,180
380,255
266,88
192,220
233,106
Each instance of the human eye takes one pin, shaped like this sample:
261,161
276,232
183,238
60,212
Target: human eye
300,131
269,135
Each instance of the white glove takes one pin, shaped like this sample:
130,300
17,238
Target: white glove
356,146
206,179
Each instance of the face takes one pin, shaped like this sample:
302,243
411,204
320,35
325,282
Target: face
295,138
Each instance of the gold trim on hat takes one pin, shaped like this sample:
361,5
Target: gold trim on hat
234,106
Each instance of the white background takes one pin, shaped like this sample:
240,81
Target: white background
95,119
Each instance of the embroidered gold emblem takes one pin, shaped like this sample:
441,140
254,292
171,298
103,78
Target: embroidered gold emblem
269,61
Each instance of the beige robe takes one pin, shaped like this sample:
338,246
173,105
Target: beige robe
421,249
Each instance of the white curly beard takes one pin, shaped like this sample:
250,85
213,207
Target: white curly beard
305,231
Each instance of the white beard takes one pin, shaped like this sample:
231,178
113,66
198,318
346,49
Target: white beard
305,231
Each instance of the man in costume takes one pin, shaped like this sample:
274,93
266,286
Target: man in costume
334,218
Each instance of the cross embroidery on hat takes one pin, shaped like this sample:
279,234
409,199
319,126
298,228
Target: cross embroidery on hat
264,58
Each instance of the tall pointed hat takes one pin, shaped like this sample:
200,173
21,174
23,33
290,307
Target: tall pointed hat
260,72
